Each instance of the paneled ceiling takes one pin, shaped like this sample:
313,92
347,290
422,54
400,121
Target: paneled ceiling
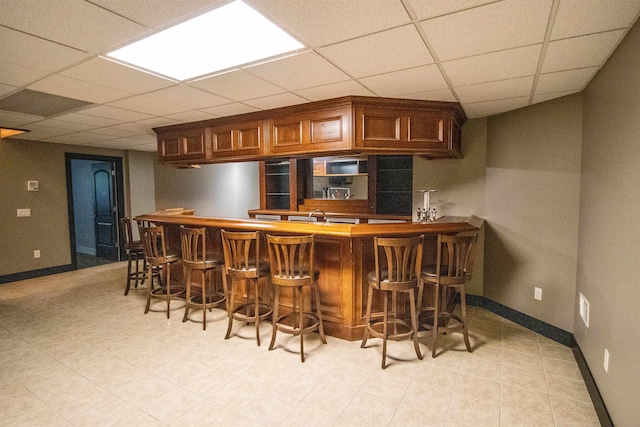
491,56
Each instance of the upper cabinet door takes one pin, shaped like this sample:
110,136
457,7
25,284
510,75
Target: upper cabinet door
312,132
415,131
183,145
238,140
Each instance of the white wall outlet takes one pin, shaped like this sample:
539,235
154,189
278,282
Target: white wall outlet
606,360
36,253
33,186
584,310
537,293
24,212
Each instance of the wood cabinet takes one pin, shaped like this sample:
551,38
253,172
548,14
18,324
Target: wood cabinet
351,125
311,132
406,130
184,145
238,140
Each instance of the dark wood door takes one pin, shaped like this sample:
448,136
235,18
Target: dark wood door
105,212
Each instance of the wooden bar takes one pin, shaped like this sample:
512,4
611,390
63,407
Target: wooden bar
344,255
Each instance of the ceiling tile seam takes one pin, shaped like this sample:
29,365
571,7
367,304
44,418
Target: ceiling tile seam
430,48
460,10
497,81
543,51
46,39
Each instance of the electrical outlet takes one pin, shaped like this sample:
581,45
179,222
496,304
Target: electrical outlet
24,212
36,253
606,360
537,293
584,310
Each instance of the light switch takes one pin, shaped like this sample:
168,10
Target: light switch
33,186
24,212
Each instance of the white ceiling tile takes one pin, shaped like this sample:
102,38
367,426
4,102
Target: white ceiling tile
6,89
142,103
8,118
489,108
65,125
432,95
548,96
192,116
47,131
580,52
425,9
489,28
33,52
152,147
74,23
319,23
507,64
17,75
138,128
188,97
76,89
581,17
334,90
230,109
114,113
495,90
276,101
111,131
237,85
299,72
562,81
149,14
93,121
420,79
380,53
154,122
111,74
80,138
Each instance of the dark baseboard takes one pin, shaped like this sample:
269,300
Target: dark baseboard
538,326
36,273
556,334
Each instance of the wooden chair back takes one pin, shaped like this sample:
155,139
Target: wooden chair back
291,260
241,254
397,262
455,258
194,247
127,232
154,244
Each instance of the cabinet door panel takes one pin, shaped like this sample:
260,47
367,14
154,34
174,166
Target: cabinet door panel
429,130
288,133
380,128
249,138
326,130
222,141
170,147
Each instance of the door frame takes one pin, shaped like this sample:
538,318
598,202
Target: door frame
118,199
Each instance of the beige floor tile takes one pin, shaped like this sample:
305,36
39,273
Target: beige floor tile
117,366
370,410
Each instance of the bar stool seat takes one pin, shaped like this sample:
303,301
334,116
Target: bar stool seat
135,254
291,260
242,263
196,258
159,259
400,256
453,268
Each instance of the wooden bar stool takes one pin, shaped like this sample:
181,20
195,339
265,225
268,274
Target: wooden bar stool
400,257
291,261
242,262
158,258
196,258
135,254
454,265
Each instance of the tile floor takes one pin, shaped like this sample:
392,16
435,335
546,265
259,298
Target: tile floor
76,352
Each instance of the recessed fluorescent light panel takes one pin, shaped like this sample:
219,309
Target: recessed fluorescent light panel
226,37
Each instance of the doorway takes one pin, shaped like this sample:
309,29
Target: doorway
95,196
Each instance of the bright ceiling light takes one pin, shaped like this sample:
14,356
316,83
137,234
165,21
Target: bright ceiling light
226,37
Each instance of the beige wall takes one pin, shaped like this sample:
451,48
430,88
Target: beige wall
48,227
532,209
460,186
609,243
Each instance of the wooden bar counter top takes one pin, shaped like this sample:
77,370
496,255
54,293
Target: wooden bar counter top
344,254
